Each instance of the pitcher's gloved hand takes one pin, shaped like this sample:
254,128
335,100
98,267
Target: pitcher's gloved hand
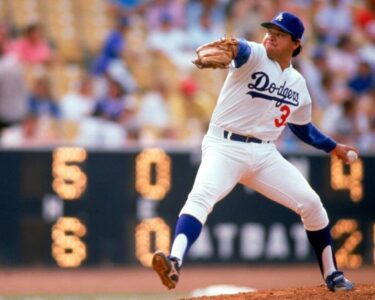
217,54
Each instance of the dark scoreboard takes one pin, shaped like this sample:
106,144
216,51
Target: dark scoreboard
72,207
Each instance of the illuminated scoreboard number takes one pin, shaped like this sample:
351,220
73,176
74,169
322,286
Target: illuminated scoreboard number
148,228
152,182
351,181
69,182
67,248
144,184
348,230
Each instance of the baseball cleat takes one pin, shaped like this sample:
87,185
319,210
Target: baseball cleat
337,282
167,268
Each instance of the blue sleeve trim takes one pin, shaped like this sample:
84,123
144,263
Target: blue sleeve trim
243,53
312,136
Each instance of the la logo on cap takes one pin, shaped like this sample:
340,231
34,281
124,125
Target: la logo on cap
279,17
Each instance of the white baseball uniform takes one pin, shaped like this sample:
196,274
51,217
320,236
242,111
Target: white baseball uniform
257,100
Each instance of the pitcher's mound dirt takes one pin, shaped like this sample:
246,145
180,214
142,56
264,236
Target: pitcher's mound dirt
360,292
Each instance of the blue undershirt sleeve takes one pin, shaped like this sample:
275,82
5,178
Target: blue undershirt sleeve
311,135
243,53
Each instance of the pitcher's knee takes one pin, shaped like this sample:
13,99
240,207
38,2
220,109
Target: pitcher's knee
198,205
313,214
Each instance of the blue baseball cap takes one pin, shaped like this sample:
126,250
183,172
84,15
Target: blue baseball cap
288,23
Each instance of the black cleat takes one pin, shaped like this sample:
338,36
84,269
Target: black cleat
337,282
167,268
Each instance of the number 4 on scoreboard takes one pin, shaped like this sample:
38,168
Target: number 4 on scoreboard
351,181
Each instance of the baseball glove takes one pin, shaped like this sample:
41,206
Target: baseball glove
217,54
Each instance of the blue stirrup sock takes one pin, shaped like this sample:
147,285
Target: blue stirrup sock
187,231
321,242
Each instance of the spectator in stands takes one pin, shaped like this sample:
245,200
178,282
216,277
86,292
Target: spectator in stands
366,120
216,9
346,51
154,117
314,68
339,121
156,9
365,14
204,31
245,15
5,40
33,47
114,105
113,47
78,104
363,80
76,107
43,115
21,135
13,92
127,4
107,127
367,139
367,49
134,9
41,102
110,60
332,20
171,42
193,113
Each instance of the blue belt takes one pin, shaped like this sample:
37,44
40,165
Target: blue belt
241,138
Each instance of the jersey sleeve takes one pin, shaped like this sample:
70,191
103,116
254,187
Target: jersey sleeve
312,136
249,53
302,115
243,53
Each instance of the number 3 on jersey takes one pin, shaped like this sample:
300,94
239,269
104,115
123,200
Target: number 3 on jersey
285,113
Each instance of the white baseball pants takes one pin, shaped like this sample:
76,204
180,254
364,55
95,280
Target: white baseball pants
260,167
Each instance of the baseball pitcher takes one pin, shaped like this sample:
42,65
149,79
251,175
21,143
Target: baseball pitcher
262,95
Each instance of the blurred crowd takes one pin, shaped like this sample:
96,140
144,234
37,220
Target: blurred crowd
126,78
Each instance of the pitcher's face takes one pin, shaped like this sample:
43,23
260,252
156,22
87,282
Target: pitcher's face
279,43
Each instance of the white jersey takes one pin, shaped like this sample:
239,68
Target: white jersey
258,98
